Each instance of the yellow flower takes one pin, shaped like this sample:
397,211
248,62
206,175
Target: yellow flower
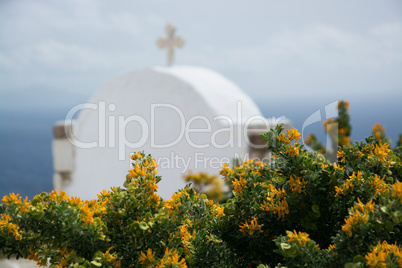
337,167
378,184
358,177
344,141
397,190
301,238
136,156
309,139
109,257
226,171
87,214
332,246
148,258
282,138
24,205
378,127
280,207
213,238
74,201
186,236
342,131
239,185
12,198
34,256
63,263
132,174
346,103
294,134
104,193
16,199
381,151
378,257
153,198
153,165
297,185
7,226
150,185
219,212
348,186
292,150
173,203
171,258
248,163
358,214
377,135
250,227
54,196
341,156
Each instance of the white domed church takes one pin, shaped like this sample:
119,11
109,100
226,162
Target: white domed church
189,118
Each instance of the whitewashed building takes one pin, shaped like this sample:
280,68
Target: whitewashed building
188,118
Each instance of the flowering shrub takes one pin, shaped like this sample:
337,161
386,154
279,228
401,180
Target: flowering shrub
299,210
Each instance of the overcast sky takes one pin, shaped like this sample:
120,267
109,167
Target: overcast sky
264,46
287,52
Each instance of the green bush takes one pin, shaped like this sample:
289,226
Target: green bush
300,210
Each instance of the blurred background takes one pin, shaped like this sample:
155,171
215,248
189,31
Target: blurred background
292,57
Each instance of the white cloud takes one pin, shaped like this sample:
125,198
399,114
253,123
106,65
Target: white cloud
323,46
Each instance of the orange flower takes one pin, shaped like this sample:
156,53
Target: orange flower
239,185
12,198
226,171
378,127
250,227
294,134
301,238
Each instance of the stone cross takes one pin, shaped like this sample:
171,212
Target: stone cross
170,42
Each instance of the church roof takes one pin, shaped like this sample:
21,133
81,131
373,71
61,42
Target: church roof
221,95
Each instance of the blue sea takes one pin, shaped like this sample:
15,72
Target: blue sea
25,151
25,138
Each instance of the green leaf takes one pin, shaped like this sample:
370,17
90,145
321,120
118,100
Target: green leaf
179,251
143,226
389,226
358,259
148,216
97,264
315,208
351,265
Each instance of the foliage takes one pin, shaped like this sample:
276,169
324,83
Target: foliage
300,210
